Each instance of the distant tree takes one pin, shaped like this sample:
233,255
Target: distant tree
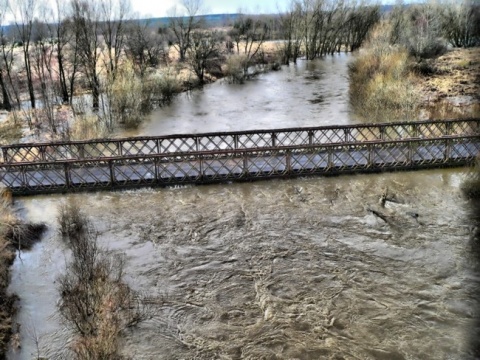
24,12
86,23
143,46
461,23
5,61
204,49
249,34
113,17
183,21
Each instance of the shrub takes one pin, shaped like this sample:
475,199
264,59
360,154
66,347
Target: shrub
95,302
381,86
235,68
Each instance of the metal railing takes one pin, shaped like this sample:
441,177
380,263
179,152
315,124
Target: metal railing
238,164
230,141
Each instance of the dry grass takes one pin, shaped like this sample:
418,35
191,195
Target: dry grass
10,131
382,87
457,73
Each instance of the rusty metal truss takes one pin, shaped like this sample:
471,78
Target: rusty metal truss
232,141
228,164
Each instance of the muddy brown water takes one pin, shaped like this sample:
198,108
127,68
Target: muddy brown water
311,93
283,269
293,269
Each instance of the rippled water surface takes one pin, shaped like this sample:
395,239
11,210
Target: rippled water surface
295,269
311,93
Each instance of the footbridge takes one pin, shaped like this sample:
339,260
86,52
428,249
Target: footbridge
237,156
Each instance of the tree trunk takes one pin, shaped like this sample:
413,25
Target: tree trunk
6,98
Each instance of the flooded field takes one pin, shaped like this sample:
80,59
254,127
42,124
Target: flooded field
352,267
296,269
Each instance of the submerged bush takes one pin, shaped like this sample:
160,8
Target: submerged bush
95,302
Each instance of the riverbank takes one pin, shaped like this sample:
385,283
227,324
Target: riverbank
15,235
450,84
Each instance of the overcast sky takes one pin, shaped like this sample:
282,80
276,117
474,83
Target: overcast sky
160,8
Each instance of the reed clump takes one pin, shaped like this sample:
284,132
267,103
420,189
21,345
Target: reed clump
382,83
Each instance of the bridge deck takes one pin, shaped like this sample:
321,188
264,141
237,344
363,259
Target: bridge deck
231,165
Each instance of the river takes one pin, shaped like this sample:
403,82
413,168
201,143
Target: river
281,269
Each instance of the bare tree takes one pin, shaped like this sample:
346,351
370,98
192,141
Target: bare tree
204,49
5,61
461,23
143,46
24,12
86,22
114,14
183,21
60,28
292,34
249,35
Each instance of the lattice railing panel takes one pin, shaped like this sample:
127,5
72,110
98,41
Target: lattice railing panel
383,156
362,134
23,154
292,138
140,147
254,141
309,162
343,157
329,136
223,168
266,164
13,177
98,150
178,145
60,152
90,174
428,153
44,177
432,130
464,149
178,169
464,128
219,142
125,172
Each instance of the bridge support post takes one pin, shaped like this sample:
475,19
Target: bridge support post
119,149
448,150
310,137
410,153
157,169
112,174
370,155
235,141
67,175
288,161
200,168
274,140
330,159
245,165
5,155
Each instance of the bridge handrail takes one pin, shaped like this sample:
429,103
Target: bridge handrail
236,140
244,152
